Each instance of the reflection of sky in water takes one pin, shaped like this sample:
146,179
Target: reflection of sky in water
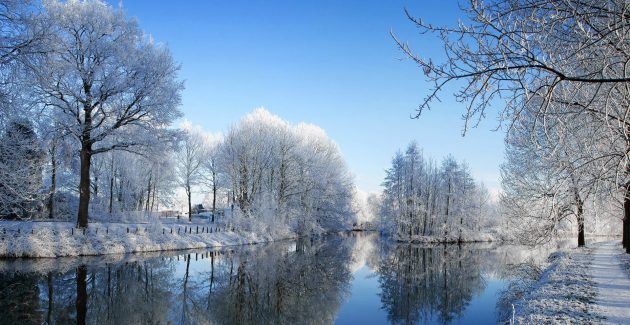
364,305
482,309
196,266
357,279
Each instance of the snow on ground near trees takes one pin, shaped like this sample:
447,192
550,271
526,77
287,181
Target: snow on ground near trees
610,274
55,239
582,285
565,293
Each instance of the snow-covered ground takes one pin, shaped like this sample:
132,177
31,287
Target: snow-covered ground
55,239
609,273
580,286
565,294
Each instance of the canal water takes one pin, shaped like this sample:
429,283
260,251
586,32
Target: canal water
355,278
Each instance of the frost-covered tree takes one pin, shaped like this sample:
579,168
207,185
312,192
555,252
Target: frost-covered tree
18,36
536,55
125,183
191,156
422,199
58,150
211,169
323,182
110,85
393,203
21,164
551,172
19,43
21,39
290,176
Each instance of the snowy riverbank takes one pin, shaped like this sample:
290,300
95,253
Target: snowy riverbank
581,285
56,239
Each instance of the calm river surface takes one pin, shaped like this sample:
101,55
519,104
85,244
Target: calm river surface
344,279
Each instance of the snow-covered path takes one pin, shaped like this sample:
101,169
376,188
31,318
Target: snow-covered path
612,282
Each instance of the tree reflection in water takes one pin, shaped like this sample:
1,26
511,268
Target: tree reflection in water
419,283
290,282
304,281
19,297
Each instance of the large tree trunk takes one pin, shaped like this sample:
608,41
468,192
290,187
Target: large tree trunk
625,240
84,184
189,201
214,195
580,222
579,203
86,163
626,219
111,186
53,182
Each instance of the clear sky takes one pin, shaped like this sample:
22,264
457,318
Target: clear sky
331,63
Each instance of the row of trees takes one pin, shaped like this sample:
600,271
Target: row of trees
557,71
87,78
264,169
423,198
283,174
87,102
553,185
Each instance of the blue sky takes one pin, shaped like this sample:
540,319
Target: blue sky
330,63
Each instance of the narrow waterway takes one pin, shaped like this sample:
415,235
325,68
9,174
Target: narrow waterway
357,278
